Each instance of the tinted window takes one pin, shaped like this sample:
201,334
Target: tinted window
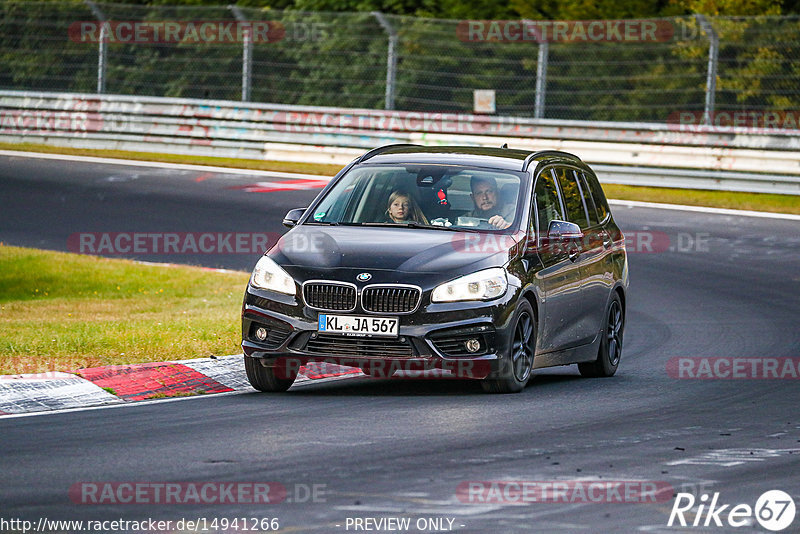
587,198
573,198
597,194
547,205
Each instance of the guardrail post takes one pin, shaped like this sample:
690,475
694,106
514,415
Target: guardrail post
391,58
711,76
102,52
541,79
247,52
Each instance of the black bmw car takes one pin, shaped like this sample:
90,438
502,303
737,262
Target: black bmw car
481,263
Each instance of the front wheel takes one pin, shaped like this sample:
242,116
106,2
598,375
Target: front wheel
266,378
610,350
518,366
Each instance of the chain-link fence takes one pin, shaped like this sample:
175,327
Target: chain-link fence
646,70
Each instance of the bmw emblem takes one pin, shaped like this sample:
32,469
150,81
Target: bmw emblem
363,277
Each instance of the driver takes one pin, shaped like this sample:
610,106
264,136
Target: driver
484,195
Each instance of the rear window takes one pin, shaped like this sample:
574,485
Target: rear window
599,197
587,198
573,197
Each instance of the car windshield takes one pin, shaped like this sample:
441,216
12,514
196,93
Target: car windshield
429,196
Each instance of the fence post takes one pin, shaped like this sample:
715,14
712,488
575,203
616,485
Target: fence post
541,79
247,52
711,76
391,58
102,52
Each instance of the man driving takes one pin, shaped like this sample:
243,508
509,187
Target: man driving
484,195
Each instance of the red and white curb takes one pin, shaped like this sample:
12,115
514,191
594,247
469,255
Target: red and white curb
118,384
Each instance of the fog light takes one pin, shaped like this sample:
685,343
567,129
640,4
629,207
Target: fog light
473,345
261,333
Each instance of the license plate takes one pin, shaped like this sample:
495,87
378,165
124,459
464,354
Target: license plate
354,325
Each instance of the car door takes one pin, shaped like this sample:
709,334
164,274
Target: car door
558,276
598,265
591,254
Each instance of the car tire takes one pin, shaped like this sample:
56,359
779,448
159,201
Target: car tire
610,351
265,378
516,369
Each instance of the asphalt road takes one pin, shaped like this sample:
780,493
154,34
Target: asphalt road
716,286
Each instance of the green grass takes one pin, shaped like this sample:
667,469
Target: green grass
716,199
62,312
692,197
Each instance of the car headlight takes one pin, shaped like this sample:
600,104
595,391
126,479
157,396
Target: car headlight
483,285
269,275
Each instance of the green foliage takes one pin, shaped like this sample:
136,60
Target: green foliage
331,58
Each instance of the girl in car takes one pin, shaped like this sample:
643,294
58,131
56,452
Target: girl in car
402,208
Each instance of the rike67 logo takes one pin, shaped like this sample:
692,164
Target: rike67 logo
774,510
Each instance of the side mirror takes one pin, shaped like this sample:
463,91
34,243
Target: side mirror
562,230
291,218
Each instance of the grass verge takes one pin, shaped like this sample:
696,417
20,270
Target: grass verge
692,197
62,312
715,199
255,164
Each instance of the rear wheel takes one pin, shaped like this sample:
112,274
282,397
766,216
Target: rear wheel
266,378
610,350
518,366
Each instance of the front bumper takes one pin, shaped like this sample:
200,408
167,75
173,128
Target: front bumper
433,337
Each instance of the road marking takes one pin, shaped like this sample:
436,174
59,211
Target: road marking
702,209
289,185
158,165
733,457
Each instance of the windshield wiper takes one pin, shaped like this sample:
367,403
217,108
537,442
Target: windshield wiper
421,226
395,225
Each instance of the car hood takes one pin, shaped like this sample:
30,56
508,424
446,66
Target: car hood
311,251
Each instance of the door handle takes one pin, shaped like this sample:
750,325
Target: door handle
573,254
607,241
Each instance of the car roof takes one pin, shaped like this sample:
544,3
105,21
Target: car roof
496,158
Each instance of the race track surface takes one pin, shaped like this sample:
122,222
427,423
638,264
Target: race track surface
729,287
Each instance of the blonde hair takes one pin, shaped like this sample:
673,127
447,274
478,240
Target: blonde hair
414,212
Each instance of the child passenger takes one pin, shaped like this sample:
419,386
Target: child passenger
402,209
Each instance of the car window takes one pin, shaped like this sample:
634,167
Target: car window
334,208
599,197
573,197
428,195
547,205
587,197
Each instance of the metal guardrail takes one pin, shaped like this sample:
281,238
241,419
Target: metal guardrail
733,159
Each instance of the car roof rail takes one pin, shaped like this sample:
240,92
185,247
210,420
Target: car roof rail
533,155
381,149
